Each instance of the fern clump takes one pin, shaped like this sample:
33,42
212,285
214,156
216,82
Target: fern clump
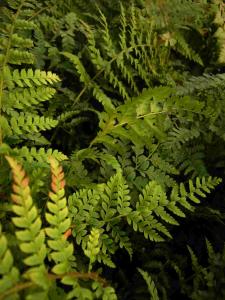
131,93
109,206
22,90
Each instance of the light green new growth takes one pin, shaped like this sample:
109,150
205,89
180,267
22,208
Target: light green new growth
92,247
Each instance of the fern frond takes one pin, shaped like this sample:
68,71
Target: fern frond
150,283
26,97
18,41
194,260
85,78
108,205
14,41
179,136
195,165
219,20
22,123
68,40
158,175
152,200
9,274
183,47
210,250
199,188
110,50
154,208
93,247
29,233
19,57
59,221
40,155
162,164
28,78
201,83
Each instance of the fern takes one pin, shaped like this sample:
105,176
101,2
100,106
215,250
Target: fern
22,90
9,273
207,280
140,135
92,246
111,203
31,238
130,60
151,285
59,223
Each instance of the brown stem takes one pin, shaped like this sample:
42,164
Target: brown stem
85,276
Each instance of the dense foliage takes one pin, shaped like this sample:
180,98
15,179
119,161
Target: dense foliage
112,149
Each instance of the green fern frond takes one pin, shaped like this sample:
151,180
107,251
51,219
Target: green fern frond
199,188
9,274
21,88
28,78
68,32
120,65
41,155
219,20
109,204
179,136
26,97
210,250
18,41
194,260
110,50
89,84
152,200
97,156
161,177
107,293
19,57
154,208
162,164
151,285
137,119
93,247
22,123
101,63
183,47
14,41
201,83
194,165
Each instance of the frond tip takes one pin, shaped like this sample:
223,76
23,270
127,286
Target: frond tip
58,181
21,182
